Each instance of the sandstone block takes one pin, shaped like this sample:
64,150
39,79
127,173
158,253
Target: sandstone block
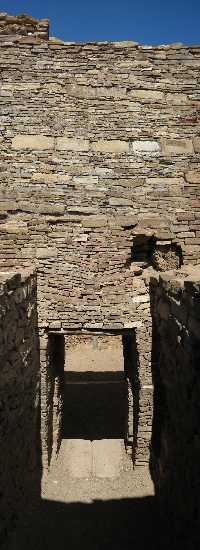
164,181
196,142
46,252
111,146
192,176
34,142
145,147
147,95
126,221
51,208
119,201
140,299
177,146
94,221
72,144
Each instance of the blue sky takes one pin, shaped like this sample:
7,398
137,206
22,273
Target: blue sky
144,21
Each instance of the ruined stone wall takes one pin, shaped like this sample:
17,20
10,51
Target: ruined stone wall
176,429
100,179
22,29
19,399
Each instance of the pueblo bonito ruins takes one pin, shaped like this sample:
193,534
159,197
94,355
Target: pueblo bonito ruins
99,286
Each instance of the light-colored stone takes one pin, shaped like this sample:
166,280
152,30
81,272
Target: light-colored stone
107,457
79,458
119,201
110,146
143,146
196,142
72,144
193,176
177,146
46,252
34,142
147,95
94,221
164,181
141,299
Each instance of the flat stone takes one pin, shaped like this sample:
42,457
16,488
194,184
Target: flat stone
141,299
126,221
72,144
193,176
145,146
177,146
119,201
46,252
94,221
147,95
107,458
164,181
34,142
79,458
51,208
196,142
110,146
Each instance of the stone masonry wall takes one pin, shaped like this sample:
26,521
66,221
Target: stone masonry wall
100,175
176,435
99,143
20,470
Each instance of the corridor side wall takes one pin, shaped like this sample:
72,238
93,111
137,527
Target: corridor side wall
176,433
20,470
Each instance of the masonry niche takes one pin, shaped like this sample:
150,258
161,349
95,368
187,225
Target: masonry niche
94,388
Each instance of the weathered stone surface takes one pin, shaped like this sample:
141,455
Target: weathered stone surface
37,142
145,147
94,221
110,146
72,144
147,95
46,253
196,142
177,147
193,176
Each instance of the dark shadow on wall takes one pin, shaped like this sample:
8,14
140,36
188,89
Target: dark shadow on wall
20,433
55,390
131,369
158,396
125,524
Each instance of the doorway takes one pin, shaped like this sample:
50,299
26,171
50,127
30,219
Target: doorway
96,408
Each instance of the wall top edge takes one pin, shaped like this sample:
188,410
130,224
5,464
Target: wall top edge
14,27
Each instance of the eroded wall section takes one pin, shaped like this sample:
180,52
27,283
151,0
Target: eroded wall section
20,470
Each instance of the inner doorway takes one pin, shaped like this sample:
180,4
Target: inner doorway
95,388
96,384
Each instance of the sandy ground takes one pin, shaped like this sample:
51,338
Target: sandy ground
93,500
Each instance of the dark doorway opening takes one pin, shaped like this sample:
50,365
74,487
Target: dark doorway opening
94,394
